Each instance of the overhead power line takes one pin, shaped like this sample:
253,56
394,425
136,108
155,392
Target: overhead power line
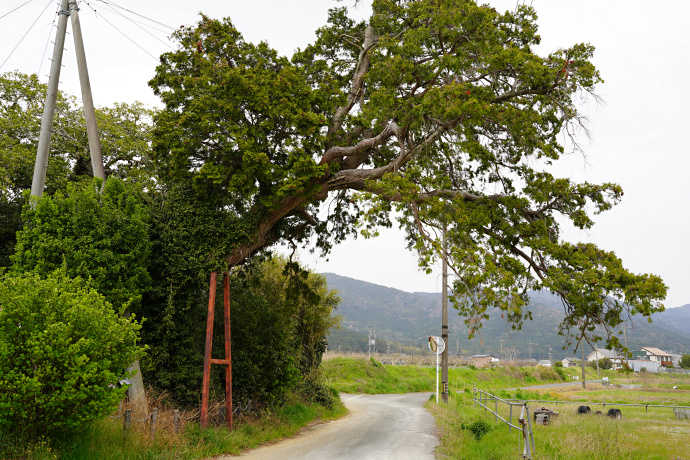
25,34
137,14
40,66
12,11
137,24
125,35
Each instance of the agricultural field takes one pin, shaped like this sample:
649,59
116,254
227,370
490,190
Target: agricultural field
641,433
467,432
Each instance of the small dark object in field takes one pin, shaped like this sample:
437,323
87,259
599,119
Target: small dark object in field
543,416
584,410
615,413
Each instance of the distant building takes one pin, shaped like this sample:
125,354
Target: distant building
571,362
648,365
655,354
483,360
676,360
601,353
544,362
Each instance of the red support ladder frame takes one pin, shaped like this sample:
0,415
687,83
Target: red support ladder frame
209,342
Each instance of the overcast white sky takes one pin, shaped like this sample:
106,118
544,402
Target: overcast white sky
639,136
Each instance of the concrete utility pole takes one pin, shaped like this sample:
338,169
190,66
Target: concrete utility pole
87,99
41,165
444,321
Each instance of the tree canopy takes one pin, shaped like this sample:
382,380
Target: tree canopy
436,113
125,139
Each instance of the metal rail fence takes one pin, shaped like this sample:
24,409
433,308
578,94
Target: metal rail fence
483,398
603,404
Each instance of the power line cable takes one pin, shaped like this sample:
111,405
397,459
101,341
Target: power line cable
124,34
130,19
40,66
12,11
24,36
137,14
136,23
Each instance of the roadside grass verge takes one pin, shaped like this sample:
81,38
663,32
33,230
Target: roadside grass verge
638,435
105,440
358,375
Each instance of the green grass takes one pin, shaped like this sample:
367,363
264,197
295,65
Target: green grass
353,375
654,434
105,439
638,435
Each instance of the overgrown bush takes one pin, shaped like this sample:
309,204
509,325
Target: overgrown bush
63,350
93,230
685,361
478,428
561,372
280,314
548,373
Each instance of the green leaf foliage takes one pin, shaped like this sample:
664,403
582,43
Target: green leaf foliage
685,361
278,333
124,131
63,349
92,232
436,113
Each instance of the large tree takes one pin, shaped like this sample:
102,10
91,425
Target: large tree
435,113
125,138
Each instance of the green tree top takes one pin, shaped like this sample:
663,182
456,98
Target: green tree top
437,113
93,232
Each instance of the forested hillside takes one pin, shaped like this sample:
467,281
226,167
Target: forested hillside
407,319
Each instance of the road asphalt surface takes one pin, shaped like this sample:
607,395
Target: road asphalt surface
394,427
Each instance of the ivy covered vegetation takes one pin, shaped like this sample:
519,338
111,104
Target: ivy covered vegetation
436,113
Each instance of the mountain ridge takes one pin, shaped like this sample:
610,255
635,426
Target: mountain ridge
408,318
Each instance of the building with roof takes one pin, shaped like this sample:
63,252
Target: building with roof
654,354
571,362
601,353
483,360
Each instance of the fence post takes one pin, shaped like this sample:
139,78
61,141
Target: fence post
128,420
176,421
495,409
646,409
510,420
154,419
529,423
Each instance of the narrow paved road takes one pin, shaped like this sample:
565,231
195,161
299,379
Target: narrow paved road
384,427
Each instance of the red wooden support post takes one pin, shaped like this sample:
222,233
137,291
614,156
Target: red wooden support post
209,345
228,354
227,362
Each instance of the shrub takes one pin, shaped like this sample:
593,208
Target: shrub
561,372
685,361
478,428
558,364
91,232
62,351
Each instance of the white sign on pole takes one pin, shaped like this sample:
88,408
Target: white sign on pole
436,345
